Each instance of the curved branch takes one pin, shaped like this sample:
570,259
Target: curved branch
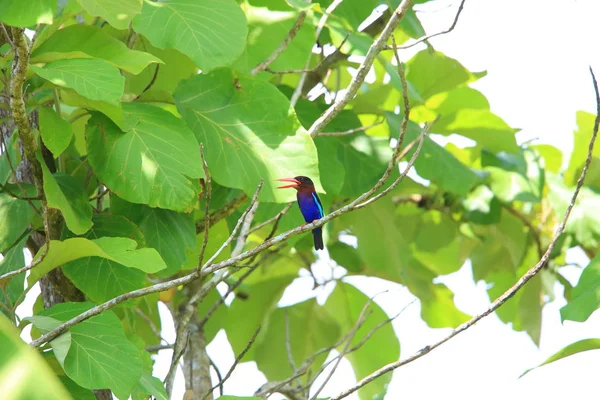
362,71
533,271
289,37
427,37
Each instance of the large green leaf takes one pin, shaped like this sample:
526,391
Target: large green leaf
85,41
23,373
55,131
431,72
585,297
481,125
254,310
515,176
26,14
436,163
95,353
171,234
582,224
267,30
345,304
68,195
155,162
114,112
11,292
212,33
15,216
150,385
118,13
120,250
90,77
250,134
311,328
581,138
574,348
399,248
102,279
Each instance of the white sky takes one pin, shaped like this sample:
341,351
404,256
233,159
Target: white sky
536,53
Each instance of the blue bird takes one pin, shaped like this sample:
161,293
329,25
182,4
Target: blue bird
309,203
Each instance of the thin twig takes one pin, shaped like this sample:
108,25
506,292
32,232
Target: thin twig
288,345
272,219
222,212
207,197
218,372
149,85
362,71
533,271
535,234
241,241
9,192
328,11
159,347
427,37
281,48
235,363
351,131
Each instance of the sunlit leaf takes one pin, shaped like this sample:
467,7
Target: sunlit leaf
118,13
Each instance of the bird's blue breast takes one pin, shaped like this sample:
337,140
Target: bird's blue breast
310,206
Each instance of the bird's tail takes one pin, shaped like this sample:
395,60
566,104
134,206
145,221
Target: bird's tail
318,238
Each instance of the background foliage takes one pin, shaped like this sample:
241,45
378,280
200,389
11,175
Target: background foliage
120,96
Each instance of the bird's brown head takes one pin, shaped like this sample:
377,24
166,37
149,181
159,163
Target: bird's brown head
300,183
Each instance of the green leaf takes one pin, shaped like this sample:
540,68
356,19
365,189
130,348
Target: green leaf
15,216
55,131
582,224
99,355
120,250
68,195
267,30
431,72
155,162
92,78
399,250
118,13
581,138
574,348
101,279
12,152
247,141
35,379
212,33
345,305
216,237
584,297
311,329
26,14
482,207
254,311
483,126
149,385
11,292
515,177
176,67
114,112
85,41
171,234
436,163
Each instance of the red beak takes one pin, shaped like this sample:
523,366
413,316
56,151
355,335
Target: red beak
295,183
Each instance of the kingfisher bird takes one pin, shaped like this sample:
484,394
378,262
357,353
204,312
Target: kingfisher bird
309,203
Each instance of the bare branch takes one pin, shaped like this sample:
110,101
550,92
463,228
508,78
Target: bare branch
289,37
427,37
275,219
149,85
350,131
533,271
241,241
236,362
362,71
